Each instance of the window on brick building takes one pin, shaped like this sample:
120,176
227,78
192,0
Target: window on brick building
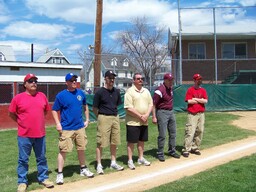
233,50
196,51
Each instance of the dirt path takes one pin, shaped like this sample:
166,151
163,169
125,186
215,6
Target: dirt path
172,169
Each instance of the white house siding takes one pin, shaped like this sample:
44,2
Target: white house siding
44,72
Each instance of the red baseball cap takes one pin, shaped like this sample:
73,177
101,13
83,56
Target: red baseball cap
29,76
168,76
197,76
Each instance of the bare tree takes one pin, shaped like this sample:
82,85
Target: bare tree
87,58
145,44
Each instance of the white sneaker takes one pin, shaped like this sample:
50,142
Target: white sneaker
143,161
59,179
131,165
86,172
116,167
100,170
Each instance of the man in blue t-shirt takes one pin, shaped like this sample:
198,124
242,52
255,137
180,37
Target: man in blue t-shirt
71,127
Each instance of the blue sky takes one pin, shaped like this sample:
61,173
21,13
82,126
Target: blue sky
69,24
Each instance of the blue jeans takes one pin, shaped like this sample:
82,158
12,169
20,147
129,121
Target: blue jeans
25,146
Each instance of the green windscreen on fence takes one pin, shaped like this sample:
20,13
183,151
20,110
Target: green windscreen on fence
226,97
231,97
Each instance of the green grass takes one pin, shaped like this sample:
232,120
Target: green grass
217,131
236,176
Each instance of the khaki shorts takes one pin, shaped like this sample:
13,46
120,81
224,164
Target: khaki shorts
108,130
67,138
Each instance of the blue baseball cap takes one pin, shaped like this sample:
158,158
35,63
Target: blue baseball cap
69,76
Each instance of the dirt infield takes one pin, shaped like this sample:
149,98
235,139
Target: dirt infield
172,169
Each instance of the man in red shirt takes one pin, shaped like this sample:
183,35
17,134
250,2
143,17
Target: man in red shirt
196,97
28,109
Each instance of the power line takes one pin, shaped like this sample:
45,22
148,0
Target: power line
221,7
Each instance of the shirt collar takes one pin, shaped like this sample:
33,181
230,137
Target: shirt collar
137,90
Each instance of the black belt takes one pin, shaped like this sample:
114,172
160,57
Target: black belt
107,114
165,109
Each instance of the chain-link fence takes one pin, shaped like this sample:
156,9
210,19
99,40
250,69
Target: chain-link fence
9,90
236,71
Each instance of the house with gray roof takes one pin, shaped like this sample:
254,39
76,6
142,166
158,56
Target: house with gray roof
120,64
54,56
6,53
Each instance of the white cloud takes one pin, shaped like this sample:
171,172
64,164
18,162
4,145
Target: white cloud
57,23
43,31
113,34
74,47
4,18
121,11
84,11
4,13
78,11
228,1
238,2
228,20
248,2
23,49
159,12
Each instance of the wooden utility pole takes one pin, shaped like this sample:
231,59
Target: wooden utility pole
97,45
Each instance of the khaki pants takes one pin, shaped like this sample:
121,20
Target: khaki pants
194,131
67,138
108,130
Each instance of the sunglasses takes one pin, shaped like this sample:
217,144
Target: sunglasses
111,78
72,80
140,78
32,81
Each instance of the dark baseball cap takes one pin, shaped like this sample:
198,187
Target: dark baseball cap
168,76
109,73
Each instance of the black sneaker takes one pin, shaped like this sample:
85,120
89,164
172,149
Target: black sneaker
174,155
160,157
195,151
185,154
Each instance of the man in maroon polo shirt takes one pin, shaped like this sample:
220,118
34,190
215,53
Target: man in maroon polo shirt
196,97
163,116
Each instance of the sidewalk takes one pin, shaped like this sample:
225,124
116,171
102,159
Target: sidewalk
159,173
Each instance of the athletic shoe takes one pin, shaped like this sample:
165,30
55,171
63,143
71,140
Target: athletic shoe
143,161
59,179
160,156
100,170
185,153
86,172
47,183
175,155
22,187
131,165
195,151
116,167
